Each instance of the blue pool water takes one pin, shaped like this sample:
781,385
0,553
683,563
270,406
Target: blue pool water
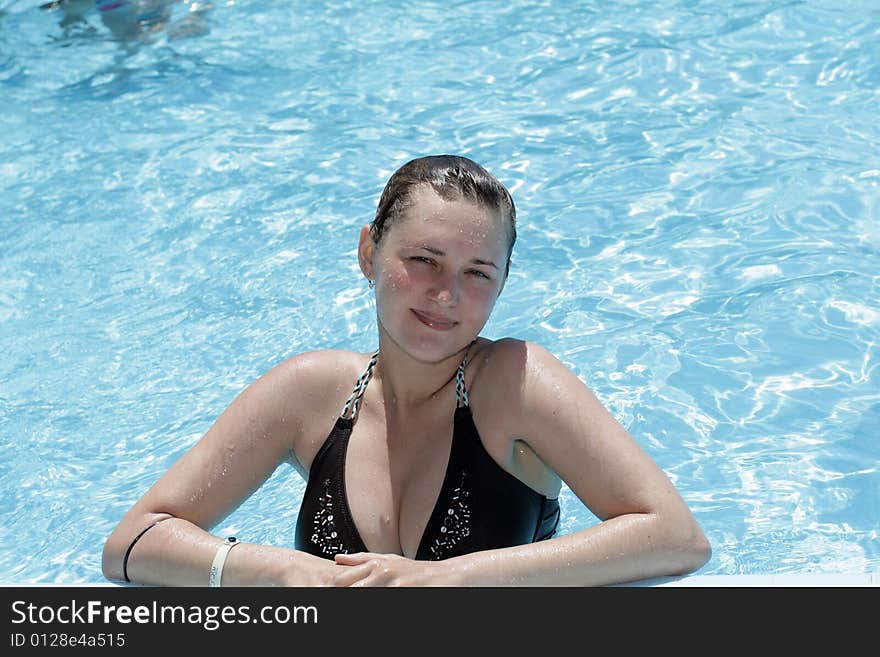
698,186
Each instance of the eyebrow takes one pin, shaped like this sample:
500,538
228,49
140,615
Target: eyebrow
438,252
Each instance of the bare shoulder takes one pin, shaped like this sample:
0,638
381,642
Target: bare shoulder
510,364
312,382
525,383
312,388
318,369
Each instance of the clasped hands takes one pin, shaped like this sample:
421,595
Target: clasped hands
373,569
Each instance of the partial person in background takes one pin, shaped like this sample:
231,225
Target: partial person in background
437,459
133,20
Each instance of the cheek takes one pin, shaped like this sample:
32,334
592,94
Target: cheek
482,296
395,277
488,300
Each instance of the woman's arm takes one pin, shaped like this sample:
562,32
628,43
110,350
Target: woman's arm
646,529
233,459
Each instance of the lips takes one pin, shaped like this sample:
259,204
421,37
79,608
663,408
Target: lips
433,321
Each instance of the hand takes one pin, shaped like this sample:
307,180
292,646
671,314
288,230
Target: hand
304,569
372,569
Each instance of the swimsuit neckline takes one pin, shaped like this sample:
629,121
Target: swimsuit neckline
347,425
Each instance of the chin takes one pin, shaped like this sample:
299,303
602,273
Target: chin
428,349
423,343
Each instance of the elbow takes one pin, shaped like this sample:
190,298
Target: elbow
111,557
694,550
700,553
121,540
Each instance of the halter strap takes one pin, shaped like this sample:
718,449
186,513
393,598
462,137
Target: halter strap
461,396
354,399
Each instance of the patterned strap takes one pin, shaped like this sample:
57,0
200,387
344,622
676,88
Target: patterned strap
461,396
354,399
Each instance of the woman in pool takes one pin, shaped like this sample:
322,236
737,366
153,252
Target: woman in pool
133,20
438,459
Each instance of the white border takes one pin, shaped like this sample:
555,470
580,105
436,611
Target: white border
790,580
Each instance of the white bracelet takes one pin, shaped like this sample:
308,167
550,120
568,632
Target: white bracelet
220,559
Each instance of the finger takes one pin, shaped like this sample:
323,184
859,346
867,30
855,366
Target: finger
353,559
381,574
352,574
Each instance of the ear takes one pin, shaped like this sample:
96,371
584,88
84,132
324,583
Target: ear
366,249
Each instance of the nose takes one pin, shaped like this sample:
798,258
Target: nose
445,290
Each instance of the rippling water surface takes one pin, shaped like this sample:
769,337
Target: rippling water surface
697,186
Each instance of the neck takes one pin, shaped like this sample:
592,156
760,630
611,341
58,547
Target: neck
408,385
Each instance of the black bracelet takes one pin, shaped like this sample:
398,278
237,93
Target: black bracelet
128,551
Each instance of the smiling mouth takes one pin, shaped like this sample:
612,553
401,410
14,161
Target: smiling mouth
433,322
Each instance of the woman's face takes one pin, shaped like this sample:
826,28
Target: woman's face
438,270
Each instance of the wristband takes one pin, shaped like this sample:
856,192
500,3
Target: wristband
220,559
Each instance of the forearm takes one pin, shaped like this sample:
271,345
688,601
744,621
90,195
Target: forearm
623,549
175,552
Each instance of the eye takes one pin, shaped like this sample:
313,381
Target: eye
424,259
479,274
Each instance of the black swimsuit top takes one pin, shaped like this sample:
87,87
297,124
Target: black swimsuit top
480,506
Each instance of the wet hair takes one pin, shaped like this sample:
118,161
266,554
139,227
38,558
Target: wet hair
452,177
